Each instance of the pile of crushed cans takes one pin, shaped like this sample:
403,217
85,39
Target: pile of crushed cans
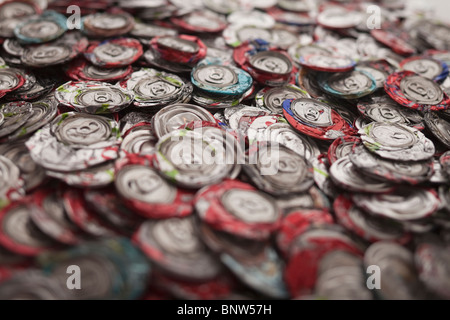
329,136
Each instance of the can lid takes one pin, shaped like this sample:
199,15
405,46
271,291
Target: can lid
32,284
370,227
344,174
114,53
438,123
174,246
431,260
296,222
31,173
230,207
200,160
13,79
336,17
411,203
327,63
19,234
15,115
200,21
396,142
98,98
315,118
401,87
278,170
58,146
411,172
383,109
82,216
400,263
273,98
108,24
80,69
49,26
426,67
149,195
56,52
272,62
342,147
283,134
221,80
390,40
48,214
350,85
263,275
174,116
153,88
